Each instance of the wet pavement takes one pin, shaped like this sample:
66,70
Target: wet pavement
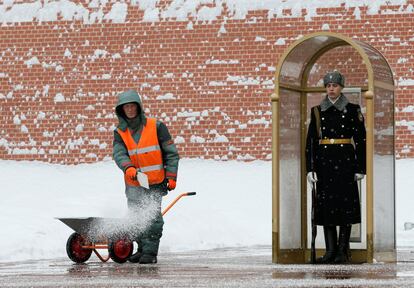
231,267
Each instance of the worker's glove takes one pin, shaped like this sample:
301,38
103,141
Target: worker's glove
171,184
359,176
312,178
131,173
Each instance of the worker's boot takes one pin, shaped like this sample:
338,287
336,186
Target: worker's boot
150,249
148,259
343,255
331,245
134,258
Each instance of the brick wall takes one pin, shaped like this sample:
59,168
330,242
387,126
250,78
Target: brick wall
209,80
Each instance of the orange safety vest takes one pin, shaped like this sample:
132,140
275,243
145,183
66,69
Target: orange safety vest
146,155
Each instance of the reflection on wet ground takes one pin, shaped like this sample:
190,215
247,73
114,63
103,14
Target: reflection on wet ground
335,275
129,269
232,267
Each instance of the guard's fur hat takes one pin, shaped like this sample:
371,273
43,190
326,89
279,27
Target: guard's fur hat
334,77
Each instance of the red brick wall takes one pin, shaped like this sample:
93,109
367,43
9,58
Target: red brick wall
210,82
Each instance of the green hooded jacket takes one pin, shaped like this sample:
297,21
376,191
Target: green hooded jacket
120,153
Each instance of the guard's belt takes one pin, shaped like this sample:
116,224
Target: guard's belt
334,141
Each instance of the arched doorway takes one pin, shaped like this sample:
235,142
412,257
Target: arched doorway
298,86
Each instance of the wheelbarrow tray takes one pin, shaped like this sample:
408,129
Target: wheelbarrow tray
96,227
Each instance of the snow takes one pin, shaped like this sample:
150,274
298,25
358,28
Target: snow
179,140
67,53
188,114
59,98
16,120
217,61
168,75
259,121
118,13
167,96
409,108
79,128
408,124
24,129
224,213
59,68
357,13
207,13
99,53
242,80
325,27
32,61
116,56
405,82
280,41
181,10
222,29
151,15
106,76
402,60
197,139
216,83
220,139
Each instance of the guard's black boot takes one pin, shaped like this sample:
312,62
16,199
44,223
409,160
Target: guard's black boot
330,243
148,259
343,257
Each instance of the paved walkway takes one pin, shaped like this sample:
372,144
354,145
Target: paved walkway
233,267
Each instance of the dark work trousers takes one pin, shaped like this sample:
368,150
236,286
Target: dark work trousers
145,208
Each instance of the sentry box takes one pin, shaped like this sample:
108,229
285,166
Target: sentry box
298,87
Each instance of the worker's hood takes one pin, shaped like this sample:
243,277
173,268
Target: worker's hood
130,96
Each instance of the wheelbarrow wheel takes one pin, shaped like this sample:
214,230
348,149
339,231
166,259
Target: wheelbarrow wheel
74,248
120,250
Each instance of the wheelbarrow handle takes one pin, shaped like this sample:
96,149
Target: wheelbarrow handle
176,199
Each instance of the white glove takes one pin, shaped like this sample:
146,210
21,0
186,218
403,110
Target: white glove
359,176
312,178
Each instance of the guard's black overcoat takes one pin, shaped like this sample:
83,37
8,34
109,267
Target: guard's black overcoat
336,164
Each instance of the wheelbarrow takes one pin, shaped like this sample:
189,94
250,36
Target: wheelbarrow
87,238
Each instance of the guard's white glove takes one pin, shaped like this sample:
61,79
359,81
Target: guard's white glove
312,178
359,176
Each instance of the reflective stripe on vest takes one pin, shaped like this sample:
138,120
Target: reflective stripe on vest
143,150
146,155
151,168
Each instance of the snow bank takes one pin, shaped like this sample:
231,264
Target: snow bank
232,206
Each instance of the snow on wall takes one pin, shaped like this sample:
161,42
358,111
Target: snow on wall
181,10
209,81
